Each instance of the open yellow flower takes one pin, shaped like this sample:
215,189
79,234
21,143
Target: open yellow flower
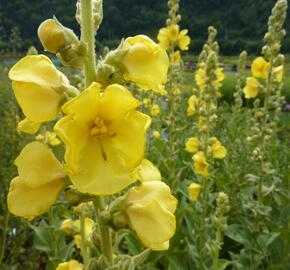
145,63
200,164
175,58
183,40
220,76
39,181
278,73
150,209
193,191
192,145
105,139
252,88
217,149
70,265
260,68
192,102
37,86
172,35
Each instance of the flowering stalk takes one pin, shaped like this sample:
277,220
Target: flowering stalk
88,37
84,248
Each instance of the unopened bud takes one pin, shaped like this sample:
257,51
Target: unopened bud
51,35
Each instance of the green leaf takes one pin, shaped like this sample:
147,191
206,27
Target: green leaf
238,233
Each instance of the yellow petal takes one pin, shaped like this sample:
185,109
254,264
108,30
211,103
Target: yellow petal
130,139
85,106
147,171
39,104
192,145
252,88
184,40
200,164
28,126
70,265
193,191
39,70
116,101
99,171
153,224
260,68
152,190
29,202
146,63
37,165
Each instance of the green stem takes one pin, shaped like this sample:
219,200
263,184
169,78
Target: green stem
88,37
141,257
52,231
84,248
105,232
216,256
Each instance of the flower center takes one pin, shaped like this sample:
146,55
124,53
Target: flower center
99,129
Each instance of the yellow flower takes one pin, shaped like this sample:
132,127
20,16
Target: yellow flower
217,149
145,63
155,110
220,77
105,139
192,145
193,191
278,73
192,101
172,35
70,265
51,36
147,171
200,76
37,85
68,227
200,164
190,111
173,32
156,134
252,88
150,209
39,181
260,68
146,102
163,39
51,138
183,40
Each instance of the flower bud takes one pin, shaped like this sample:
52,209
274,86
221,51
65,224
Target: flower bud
51,35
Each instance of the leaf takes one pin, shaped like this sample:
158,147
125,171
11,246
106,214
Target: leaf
237,233
223,263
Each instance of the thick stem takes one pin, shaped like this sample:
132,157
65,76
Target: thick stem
88,37
218,238
105,232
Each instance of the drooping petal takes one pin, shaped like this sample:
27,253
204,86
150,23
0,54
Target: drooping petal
39,104
153,224
70,265
130,139
37,69
37,165
29,202
116,101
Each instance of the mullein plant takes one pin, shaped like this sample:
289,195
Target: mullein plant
104,136
205,147
264,86
173,40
